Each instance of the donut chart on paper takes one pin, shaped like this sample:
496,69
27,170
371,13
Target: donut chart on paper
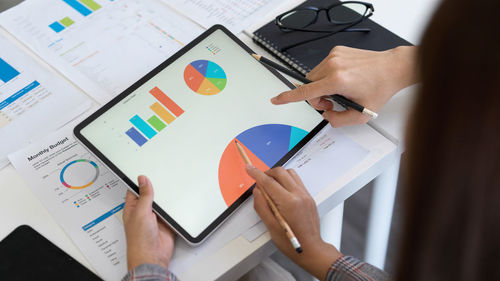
265,145
79,174
205,77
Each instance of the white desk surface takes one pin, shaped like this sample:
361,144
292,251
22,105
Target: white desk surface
19,206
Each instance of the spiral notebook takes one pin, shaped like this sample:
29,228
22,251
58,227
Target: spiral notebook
305,57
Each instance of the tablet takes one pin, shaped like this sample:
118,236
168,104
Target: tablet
178,126
27,255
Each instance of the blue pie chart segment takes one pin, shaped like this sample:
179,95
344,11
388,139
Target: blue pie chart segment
271,142
214,71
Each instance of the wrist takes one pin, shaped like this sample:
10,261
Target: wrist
405,66
318,258
135,260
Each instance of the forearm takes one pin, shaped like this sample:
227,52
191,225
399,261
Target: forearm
150,272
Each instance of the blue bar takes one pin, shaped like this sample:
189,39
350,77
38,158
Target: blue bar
19,94
143,126
57,27
79,7
103,217
7,72
136,136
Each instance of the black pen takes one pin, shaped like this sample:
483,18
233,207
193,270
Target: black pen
343,101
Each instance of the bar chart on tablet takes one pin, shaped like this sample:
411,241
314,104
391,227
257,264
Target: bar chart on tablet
163,111
89,41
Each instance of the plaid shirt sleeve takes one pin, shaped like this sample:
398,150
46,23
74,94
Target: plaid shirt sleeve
348,268
150,272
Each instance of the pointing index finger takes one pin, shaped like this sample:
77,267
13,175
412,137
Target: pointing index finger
304,92
268,183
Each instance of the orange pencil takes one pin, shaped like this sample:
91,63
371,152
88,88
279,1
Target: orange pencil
288,231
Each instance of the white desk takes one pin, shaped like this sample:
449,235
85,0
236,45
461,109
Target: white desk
19,206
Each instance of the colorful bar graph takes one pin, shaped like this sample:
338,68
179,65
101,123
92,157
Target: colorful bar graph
162,112
91,4
66,21
166,101
7,72
156,123
79,7
57,27
136,136
145,129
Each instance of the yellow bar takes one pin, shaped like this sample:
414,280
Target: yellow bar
162,112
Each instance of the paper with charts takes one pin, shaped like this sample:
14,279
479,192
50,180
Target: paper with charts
83,196
102,46
33,102
236,15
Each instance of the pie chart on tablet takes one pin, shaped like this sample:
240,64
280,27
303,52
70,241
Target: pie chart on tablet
265,145
205,77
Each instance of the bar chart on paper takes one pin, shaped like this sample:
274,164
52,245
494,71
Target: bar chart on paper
82,7
7,71
163,112
89,41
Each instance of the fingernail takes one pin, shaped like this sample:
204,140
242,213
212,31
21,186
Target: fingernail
250,167
274,100
142,181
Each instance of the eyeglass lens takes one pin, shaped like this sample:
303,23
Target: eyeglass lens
341,14
299,18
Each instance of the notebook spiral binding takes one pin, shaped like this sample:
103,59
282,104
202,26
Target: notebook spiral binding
273,49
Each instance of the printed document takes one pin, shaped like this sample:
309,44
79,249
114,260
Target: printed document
33,101
236,15
83,196
104,46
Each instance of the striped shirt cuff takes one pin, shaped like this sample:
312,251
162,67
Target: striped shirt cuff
149,272
349,268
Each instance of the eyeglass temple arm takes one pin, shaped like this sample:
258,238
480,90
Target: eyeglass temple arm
324,36
358,30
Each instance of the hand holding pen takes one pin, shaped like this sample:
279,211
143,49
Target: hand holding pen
368,78
296,206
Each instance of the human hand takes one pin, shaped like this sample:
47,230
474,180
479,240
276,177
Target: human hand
149,240
367,77
298,208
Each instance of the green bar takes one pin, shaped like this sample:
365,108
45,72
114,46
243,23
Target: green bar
66,21
156,123
91,4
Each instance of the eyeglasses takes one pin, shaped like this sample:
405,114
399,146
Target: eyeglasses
348,14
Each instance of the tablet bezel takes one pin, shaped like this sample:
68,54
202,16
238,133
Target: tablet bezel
169,220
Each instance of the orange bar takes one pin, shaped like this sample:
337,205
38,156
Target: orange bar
166,101
162,112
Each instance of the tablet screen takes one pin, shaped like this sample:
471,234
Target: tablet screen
179,128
